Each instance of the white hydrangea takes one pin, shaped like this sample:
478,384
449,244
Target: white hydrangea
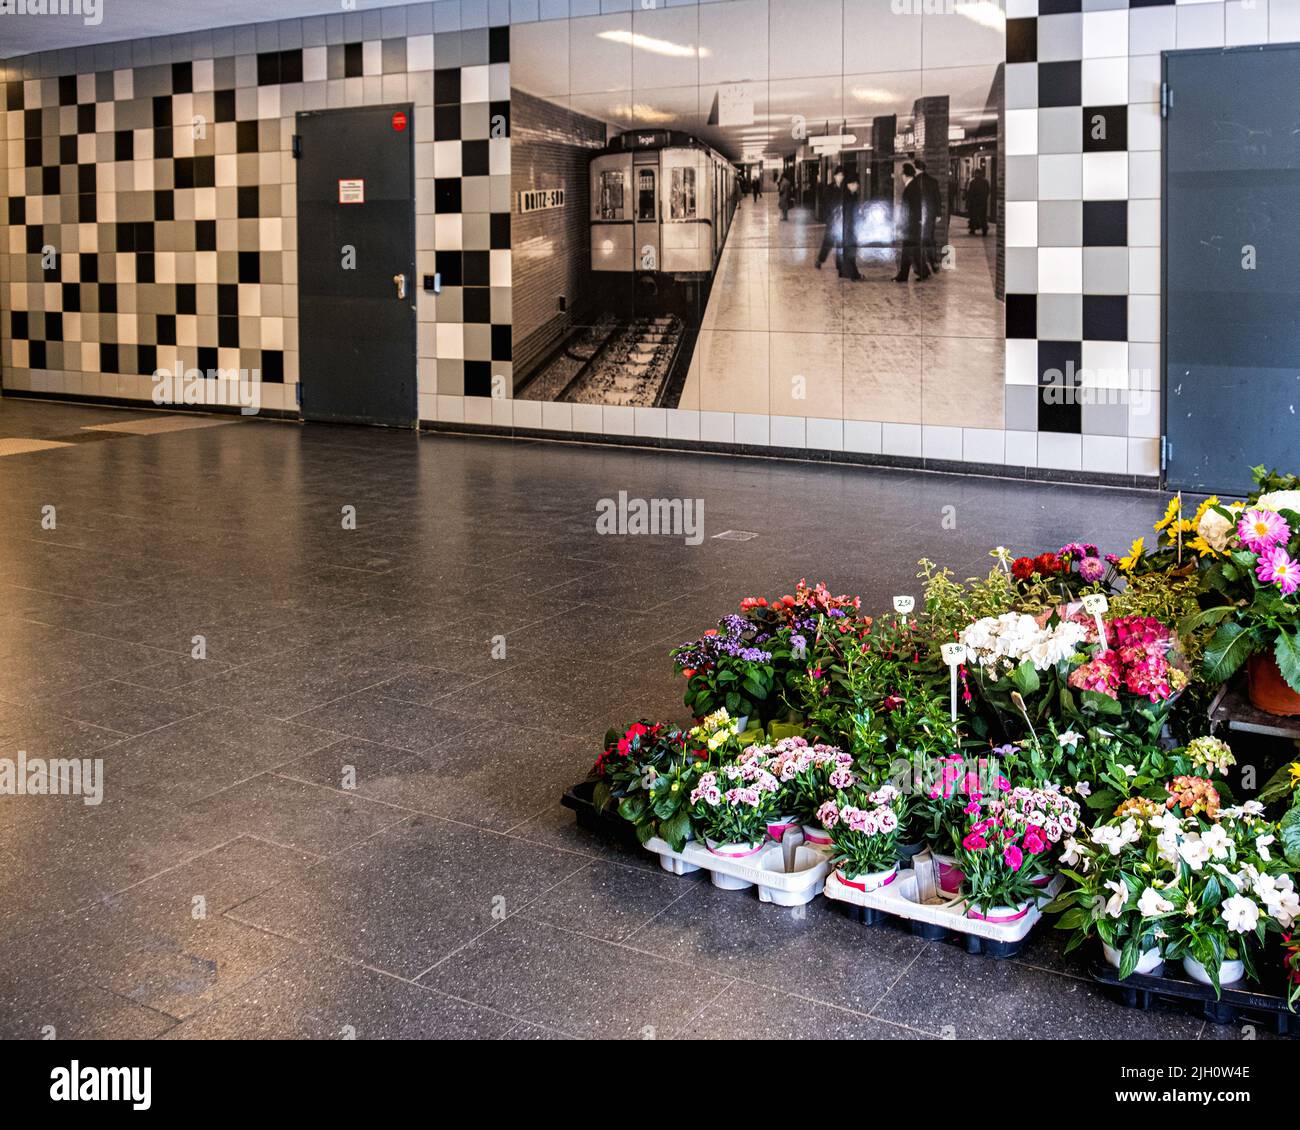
1008,640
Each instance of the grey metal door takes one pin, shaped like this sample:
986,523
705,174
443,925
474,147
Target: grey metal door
356,265
1231,264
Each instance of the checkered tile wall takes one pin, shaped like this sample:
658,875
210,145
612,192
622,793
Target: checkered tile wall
151,200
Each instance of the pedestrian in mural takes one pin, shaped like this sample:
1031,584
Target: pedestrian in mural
757,184
847,259
785,196
833,213
977,202
931,207
909,226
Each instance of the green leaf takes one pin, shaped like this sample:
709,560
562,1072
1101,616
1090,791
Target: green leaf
1204,617
632,809
1129,955
1289,834
1227,651
601,796
1100,703
1279,785
676,830
1287,653
1026,678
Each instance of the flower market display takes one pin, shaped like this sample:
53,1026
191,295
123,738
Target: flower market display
1034,744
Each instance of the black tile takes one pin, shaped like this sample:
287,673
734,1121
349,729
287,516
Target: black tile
205,235
291,66
163,142
228,333
502,343
71,298
500,231
477,304
13,96
88,265
50,180
146,360
447,196
53,325
499,119
1059,406
446,123
164,204
125,236
86,209
451,268
273,366
474,158
205,171
446,86
37,355
86,118
207,358
268,68
67,90
183,172
224,105
124,145
32,152
68,149
35,239
144,268
86,179
1105,129
108,358
353,60
247,202
186,298
250,267
246,137
1022,315
166,329
1059,7
17,210
228,300
1105,317
1105,223
477,265
478,378
108,298
1059,84
19,324
162,110
499,44
1022,41
183,78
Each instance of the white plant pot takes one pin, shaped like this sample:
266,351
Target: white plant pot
733,852
779,825
871,881
1230,972
999,915
1149,961
814,835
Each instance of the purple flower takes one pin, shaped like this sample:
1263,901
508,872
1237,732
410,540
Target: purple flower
1091,569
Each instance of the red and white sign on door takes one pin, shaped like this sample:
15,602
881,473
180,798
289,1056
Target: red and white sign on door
352,192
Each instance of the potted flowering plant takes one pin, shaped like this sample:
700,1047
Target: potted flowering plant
728,668
733,806
1285,784
1231,888
1074,569
1117,887
647,772
808,775
1254,580
863,827
1001,862
947,791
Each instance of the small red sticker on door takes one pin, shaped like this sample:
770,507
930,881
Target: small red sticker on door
352,192
399,121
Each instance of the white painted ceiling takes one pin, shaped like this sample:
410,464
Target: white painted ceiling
141,19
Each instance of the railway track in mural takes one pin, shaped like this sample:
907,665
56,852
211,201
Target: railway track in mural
634,362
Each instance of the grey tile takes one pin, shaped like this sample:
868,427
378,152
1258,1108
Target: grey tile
608,900
1060,130
1105,270
745,1012
1021,408
1060,224
1060,317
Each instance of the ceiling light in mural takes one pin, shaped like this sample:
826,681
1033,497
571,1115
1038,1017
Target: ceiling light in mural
875,95
640,112
983,13
655,46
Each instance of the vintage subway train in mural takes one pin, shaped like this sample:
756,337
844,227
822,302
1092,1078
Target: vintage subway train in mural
661,205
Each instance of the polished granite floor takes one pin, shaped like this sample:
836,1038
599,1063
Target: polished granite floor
231,884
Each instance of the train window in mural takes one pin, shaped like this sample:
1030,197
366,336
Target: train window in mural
683,195
822,243
611,195
646,200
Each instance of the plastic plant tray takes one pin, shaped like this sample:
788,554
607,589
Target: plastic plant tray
608,824
764,870
937,921
1243,1003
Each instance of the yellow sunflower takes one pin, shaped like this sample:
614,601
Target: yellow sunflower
1172,512
1129,563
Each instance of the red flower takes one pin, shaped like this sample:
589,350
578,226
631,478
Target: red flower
1022,568
1046,563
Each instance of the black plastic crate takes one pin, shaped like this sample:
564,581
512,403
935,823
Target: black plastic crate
933,932
610,824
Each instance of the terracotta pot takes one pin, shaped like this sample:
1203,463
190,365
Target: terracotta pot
1268,690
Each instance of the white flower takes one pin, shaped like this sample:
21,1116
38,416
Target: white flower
1115,904
1129,770
1216,529
1240,914
1279,500
1069,738
1070,854
1194,852
1216,841
1115,839
1083,788
1261,846
1152,904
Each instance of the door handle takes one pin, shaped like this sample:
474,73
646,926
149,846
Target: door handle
399,281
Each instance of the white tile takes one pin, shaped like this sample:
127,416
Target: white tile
1144,176
1201,25
1105,365
1060,177
1022,449
1022,132
451,408
683,423
1021,9
314,64
718,427
419,53
1144,456
1022,223
1143,413
1284,21
1105,34
1105,82
1105,454
1144,77
557,417
1151,30
1247,22
474,84
1144,123
503,414
941,442
825,435
1144,223
588,418
1143,317
1144,270
901,439
1060,270
528,414
618,420
1060,451
1105,176
478,410
1021,363
788,431
1144,364
863,436
651,422
983,445
752,429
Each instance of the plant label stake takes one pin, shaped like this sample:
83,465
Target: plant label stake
1096,603
954,654
904,605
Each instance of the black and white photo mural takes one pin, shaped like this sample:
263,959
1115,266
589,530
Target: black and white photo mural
786,208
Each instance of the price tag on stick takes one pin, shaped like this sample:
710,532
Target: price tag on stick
954,654
1096,604
903,605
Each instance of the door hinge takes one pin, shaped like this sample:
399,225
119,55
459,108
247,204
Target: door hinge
297,147
1164,453
1166,99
